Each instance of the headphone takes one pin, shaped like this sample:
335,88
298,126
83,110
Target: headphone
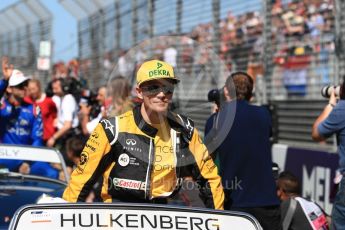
65,86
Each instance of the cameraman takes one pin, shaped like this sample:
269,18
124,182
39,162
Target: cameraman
332,121
88,124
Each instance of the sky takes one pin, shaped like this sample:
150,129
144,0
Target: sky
64,31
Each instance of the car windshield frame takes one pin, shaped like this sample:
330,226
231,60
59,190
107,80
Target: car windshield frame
23,152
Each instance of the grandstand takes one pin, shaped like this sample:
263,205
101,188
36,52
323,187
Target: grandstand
291,47
24,25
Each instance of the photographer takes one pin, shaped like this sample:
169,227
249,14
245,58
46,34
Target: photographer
332,121
88,122
244,152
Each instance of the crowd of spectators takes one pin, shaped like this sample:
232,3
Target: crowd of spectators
61,115
301,35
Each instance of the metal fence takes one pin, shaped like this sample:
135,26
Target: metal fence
23,26
292,48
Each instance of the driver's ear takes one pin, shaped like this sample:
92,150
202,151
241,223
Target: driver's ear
139,92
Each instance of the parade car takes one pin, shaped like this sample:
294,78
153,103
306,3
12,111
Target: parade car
128,216
18,189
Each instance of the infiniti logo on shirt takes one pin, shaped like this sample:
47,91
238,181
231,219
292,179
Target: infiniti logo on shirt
131,142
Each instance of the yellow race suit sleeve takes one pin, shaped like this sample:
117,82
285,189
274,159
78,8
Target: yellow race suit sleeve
94,160
208,172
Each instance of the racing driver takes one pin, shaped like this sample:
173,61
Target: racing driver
144,154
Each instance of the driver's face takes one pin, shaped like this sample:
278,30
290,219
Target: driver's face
156,95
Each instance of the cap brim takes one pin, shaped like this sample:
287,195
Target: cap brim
19,82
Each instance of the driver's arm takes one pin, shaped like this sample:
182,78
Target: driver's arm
93,163
211,187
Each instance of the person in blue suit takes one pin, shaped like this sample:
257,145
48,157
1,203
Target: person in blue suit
20,122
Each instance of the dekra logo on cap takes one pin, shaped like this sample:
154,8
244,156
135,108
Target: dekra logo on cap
159,72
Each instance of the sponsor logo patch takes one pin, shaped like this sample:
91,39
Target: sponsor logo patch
90,147
123,160
93,141
84,158
109,126
129,184
131,142
95,135
40,217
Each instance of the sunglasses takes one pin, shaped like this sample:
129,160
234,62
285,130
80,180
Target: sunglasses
22,85
151,90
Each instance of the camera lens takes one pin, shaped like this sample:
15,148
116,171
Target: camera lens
213,95
326,91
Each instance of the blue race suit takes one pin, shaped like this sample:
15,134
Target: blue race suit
20,125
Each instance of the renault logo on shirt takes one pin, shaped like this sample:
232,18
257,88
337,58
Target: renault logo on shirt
131,142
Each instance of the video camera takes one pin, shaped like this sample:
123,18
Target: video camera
216,96
89,98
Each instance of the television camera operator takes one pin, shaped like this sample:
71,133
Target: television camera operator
332,121
92,109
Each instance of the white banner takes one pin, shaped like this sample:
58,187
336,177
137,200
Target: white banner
130,218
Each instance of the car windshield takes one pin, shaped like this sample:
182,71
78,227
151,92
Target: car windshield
29,160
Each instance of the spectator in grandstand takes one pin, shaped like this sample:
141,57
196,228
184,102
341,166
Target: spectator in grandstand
88,124
147,150
59,70
123,65
245,153
170,55
297,212
67,119
46,105
315,22
120,101
296,66
294,20
332,121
